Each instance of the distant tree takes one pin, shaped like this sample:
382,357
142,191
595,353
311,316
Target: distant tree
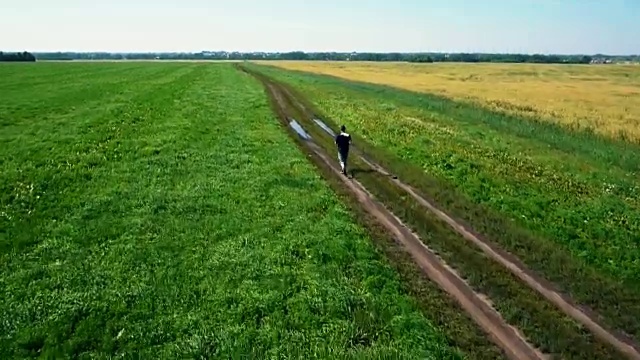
422,59
15,57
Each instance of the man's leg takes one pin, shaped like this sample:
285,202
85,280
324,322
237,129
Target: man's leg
343,162
345,158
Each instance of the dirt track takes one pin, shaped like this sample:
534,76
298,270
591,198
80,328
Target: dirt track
507,338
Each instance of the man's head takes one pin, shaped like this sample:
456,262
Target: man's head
343,128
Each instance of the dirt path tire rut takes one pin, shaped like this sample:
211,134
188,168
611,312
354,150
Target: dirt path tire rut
507,337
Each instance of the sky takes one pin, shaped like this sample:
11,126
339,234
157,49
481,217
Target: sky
504,26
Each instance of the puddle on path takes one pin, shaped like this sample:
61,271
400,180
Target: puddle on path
297,128
324,127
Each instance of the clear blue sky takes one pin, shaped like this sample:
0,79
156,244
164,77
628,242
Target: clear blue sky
522,26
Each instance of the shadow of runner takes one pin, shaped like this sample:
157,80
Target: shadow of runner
361,171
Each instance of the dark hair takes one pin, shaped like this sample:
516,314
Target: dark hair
343,128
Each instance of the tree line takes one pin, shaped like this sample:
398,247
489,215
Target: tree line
19,56
504,58
344,56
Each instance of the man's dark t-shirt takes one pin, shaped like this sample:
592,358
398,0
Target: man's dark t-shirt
343,140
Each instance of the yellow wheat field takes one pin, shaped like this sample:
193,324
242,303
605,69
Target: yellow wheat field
603,97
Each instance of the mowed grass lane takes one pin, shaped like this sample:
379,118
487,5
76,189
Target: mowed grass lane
157,210
566,202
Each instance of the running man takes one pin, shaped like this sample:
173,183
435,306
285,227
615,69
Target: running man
343,140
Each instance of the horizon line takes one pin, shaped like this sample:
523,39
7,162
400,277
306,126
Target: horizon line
313,52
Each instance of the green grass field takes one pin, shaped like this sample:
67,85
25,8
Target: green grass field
158,211
564,201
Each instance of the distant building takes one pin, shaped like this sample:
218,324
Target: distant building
601,61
